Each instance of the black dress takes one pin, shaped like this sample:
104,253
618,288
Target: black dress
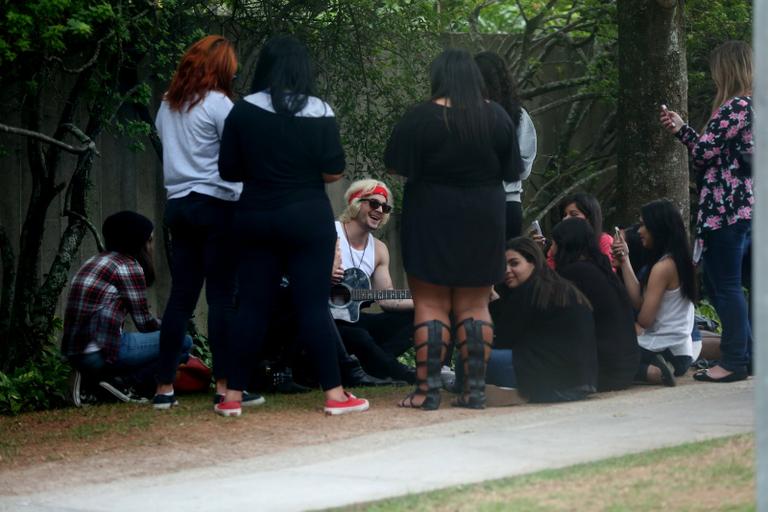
618,353
453,220
553,350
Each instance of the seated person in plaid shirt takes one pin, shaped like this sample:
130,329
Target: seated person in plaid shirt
107,288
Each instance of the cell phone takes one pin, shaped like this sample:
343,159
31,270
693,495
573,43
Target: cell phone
536,228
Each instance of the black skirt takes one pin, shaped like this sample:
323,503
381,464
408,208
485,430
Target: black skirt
454,236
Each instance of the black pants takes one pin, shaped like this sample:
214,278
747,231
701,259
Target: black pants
201,246
679,363
514,219
298,239
378,339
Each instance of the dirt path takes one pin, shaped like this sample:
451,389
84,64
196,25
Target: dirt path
54,449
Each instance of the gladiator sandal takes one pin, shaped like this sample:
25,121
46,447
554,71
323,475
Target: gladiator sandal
474,357
429,387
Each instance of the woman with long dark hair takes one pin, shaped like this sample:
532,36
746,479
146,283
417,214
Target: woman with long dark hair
105,290
578,258
500,87
545,344
665,295
200,205
455,150
283,143
722,159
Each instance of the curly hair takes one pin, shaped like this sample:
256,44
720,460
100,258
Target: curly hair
499,84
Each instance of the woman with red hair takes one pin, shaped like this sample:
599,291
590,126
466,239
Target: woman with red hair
200,205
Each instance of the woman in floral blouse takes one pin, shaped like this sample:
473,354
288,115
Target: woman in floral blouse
722,159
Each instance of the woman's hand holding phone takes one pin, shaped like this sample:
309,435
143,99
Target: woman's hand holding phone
535,233
619,248
670,120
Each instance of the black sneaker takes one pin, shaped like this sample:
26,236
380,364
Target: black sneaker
249,399
122,392
162,402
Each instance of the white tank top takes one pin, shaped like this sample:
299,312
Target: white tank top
364,259
673,326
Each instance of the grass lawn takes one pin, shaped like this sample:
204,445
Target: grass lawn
711,475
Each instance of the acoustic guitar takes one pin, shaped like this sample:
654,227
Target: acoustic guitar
354,291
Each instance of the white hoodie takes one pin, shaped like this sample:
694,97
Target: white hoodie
526,138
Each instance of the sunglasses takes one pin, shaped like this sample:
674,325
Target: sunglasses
375,204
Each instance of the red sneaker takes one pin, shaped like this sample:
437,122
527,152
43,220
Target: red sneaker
228,408
352,404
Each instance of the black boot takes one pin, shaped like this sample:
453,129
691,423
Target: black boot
353,375
429,386
475,356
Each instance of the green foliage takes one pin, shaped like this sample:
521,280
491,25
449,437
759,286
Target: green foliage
708,25
38,385
707,310
201,348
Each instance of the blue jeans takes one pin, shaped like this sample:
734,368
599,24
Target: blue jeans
499,371
136,359
724,258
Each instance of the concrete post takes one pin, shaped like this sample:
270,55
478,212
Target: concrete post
760,249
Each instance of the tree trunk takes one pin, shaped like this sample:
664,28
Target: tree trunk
652,164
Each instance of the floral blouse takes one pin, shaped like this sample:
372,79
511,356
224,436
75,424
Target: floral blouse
725,181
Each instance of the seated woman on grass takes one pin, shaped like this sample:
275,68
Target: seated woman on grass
106,289
579,259
545,343
664,296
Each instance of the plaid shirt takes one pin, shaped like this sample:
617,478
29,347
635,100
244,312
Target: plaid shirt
105,289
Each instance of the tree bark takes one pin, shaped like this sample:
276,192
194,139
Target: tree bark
652,164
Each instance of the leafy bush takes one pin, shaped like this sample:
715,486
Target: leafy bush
707,310
38,385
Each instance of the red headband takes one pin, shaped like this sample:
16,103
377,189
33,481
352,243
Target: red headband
378,190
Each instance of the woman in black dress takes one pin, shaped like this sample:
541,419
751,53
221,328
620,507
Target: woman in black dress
455,150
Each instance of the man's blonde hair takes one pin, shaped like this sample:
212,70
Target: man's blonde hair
361,189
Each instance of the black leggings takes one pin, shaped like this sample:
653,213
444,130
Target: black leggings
298,239
200,227
378,339
514,211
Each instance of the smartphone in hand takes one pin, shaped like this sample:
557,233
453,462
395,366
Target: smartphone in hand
535,228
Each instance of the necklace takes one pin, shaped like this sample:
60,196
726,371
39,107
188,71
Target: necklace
349,248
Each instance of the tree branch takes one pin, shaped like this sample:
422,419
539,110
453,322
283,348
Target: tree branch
94,231
565,101
91,146
573,170
570,189
85,66
555,86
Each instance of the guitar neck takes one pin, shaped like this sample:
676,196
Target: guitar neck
366,295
